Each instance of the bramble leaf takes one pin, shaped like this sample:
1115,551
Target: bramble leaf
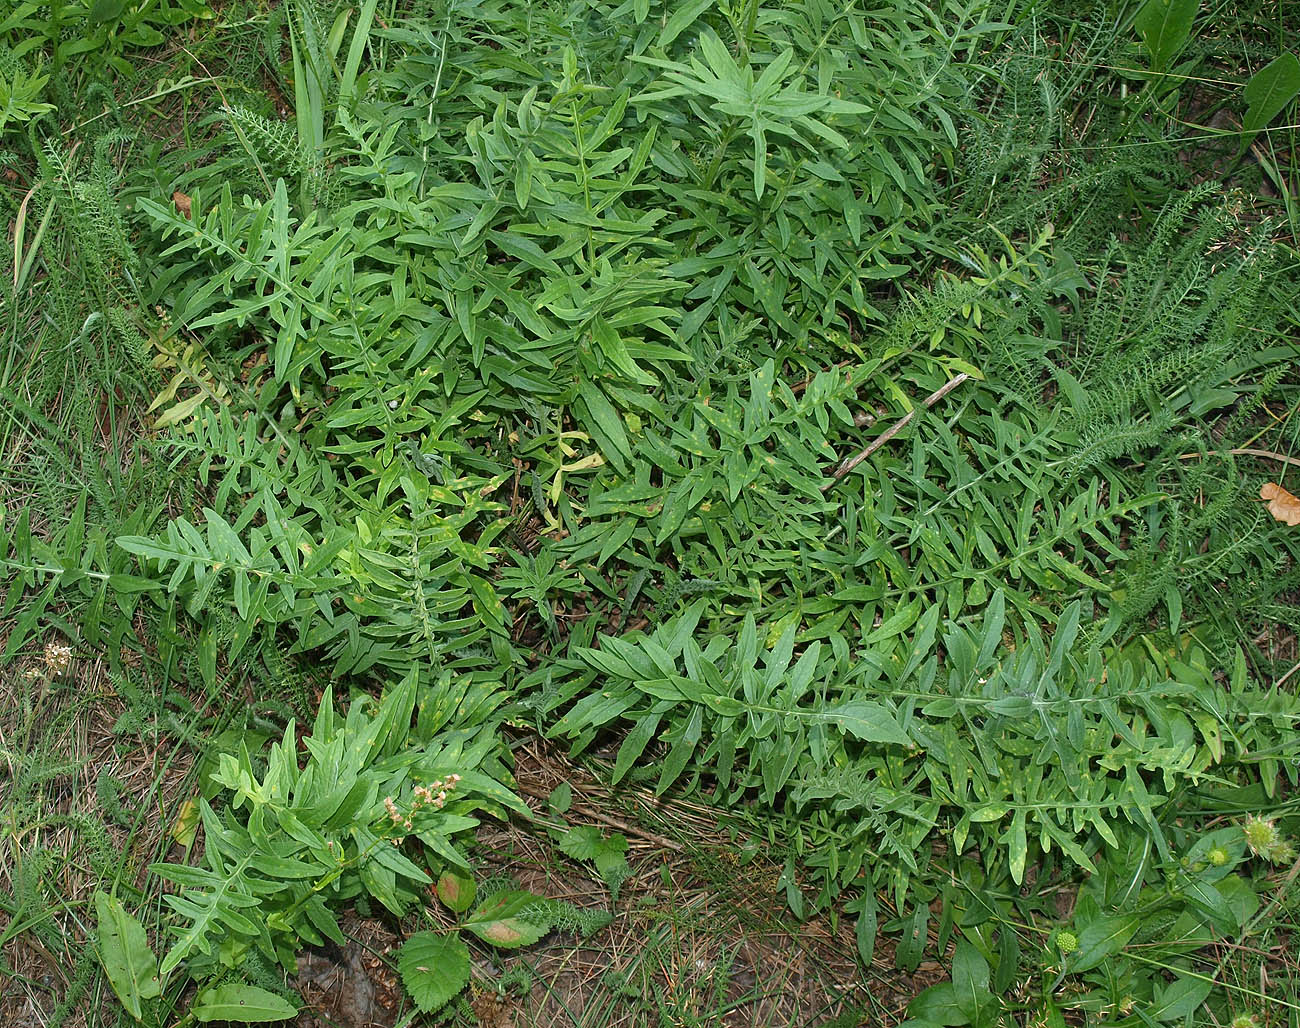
434,968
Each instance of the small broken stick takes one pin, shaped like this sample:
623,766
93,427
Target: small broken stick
894,429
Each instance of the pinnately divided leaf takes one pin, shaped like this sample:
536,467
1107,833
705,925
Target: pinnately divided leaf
851,415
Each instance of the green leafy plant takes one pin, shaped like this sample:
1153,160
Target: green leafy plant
435,965
20,97
1164,26
1131,951
850,418
135,976
98,35
124,951
1269,90
296,844
608,853
816,681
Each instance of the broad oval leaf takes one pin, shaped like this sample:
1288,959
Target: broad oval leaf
1182,998
1269,90
1102,938
434,968
1164,26
501,920
456,890
243,1004
124,951
869,721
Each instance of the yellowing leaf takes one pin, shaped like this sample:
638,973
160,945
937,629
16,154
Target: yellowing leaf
186,825
456,890
508,933
498,920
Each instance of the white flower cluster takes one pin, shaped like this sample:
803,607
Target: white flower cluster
57,657
434,795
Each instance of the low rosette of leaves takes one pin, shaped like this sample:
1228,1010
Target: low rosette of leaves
608,853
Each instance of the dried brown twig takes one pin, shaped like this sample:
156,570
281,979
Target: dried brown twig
893,430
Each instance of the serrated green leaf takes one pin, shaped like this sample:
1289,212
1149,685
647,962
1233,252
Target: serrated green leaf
561,798
582,842
434,967
610,864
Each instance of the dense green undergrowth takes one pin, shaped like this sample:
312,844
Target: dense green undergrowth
511,360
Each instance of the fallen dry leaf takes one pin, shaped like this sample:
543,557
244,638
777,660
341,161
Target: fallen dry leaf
183,203
1281,504
493,1010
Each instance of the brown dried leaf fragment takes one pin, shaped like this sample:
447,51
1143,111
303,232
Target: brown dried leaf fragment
1281,504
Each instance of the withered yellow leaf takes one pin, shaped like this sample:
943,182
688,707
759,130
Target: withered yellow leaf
1281,504
186,825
